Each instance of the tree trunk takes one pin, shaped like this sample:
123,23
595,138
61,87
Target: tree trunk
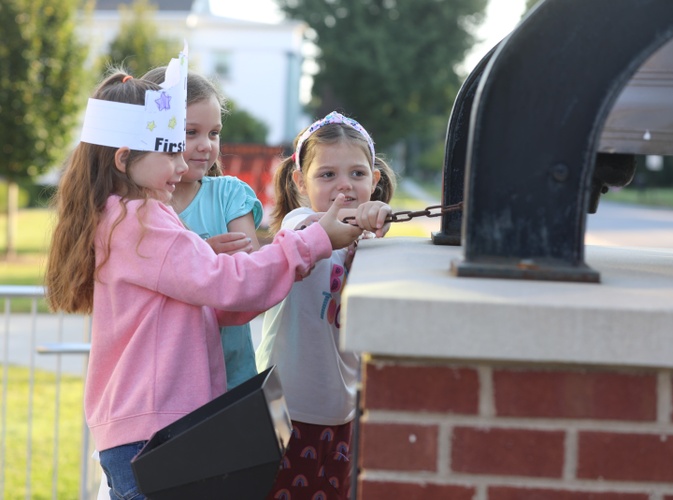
12,216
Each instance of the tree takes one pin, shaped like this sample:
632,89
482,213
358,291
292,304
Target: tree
239,126
42,78
389,63
138,47
530,4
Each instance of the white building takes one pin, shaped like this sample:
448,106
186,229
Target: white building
257,64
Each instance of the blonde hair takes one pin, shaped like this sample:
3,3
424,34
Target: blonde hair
89,177
287,196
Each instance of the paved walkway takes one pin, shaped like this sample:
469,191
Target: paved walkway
26,333
617,224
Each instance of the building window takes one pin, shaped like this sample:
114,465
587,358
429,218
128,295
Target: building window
222,65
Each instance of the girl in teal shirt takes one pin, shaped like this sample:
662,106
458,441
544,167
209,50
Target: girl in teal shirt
223,210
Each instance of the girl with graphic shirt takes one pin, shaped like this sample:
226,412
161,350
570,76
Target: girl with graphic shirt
156,291
334,156
223,210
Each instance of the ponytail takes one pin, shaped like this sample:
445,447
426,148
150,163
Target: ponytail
385,188
287,195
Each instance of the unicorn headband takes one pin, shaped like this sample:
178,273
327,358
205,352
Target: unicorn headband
159,125
333,117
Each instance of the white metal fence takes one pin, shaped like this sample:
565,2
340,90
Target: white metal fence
43,357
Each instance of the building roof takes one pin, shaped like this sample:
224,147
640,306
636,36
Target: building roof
161,5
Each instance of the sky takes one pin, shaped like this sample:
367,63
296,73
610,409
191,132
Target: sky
501,17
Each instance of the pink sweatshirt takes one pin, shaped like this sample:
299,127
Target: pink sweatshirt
155,347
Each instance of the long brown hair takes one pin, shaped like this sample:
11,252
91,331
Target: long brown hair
199,88
287,196
89,177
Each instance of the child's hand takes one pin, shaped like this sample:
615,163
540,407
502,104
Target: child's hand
340,234
230,243
310,220
370,216
350,255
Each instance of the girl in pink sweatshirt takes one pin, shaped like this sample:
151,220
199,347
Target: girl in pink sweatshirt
156,291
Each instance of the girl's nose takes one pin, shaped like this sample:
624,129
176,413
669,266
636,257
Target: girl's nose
181,167
204,144
344,183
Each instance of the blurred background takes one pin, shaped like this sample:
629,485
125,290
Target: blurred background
394,65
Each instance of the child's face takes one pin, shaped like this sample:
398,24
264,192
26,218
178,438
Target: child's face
337,168
158,173
204,123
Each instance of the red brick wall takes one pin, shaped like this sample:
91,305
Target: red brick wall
488,432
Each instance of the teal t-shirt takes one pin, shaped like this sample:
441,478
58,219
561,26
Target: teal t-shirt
219,201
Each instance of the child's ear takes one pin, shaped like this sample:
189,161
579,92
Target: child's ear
121,158
376,177
298,179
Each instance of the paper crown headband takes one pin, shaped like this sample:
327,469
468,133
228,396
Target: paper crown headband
158,126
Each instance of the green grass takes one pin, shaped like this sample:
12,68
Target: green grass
33,232
402,201
32,241
656,197
42,447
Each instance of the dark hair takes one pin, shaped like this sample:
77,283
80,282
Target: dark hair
287,196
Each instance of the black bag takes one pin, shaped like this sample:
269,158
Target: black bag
230,447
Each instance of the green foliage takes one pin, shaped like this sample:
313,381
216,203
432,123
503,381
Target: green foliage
36,195
138,46
432,149
431,160
239,126
653,178
41,84
531,3
389,63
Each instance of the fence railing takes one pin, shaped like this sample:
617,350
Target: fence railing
45,446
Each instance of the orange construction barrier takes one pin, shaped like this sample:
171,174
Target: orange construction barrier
254,164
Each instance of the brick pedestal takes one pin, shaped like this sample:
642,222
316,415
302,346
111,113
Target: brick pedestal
483,389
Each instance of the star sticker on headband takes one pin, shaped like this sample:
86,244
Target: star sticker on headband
164,101
172,123
151,126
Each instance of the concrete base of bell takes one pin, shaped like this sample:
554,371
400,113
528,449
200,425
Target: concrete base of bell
401,300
